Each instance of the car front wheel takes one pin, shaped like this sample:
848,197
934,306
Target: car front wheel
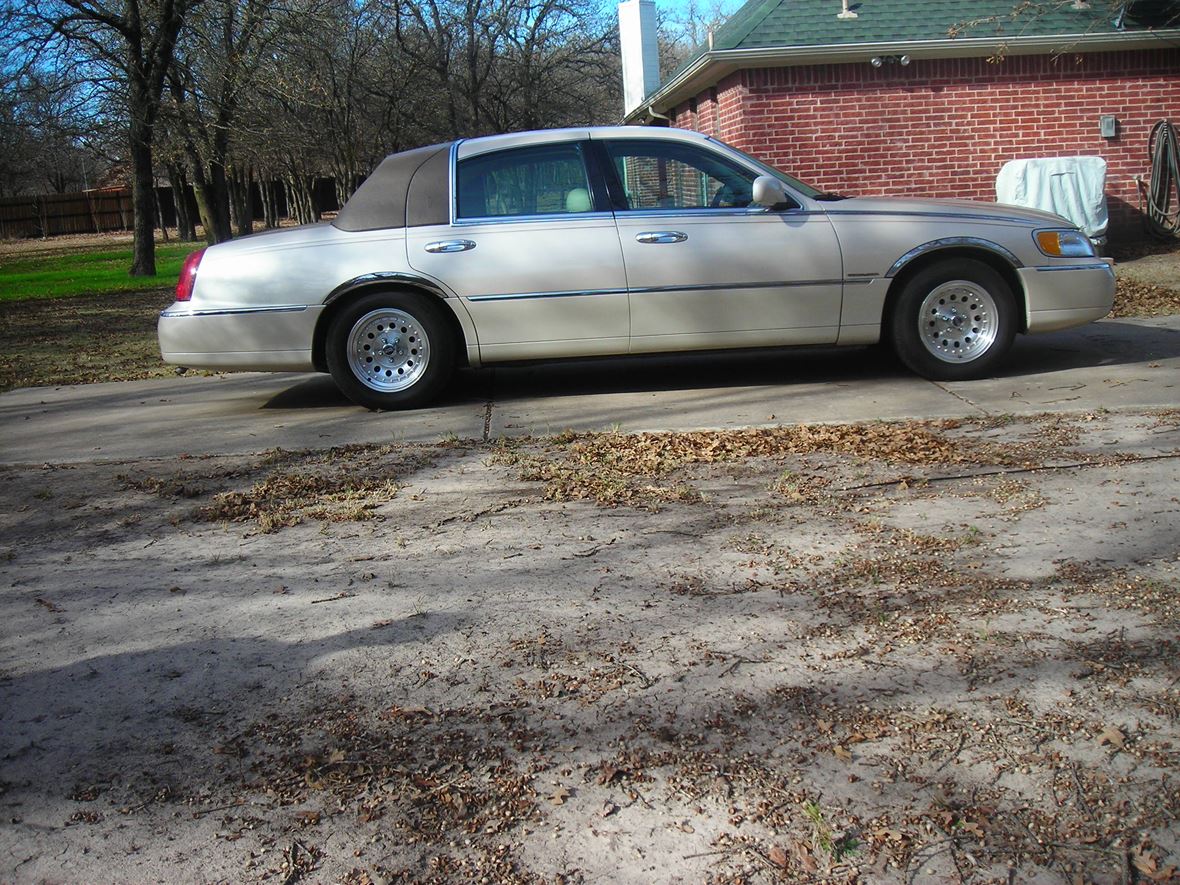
390,350
954,320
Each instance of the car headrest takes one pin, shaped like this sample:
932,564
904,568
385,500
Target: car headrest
577,200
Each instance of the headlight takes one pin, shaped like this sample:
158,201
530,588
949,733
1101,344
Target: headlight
1064,243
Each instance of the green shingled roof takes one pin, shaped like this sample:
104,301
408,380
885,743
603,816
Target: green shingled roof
768,23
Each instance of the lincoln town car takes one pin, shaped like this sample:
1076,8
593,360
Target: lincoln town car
621,241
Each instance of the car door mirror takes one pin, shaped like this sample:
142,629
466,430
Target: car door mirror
769,192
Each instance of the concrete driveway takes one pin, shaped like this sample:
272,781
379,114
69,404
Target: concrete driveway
1120,363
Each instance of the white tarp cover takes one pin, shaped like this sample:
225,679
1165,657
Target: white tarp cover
1073,187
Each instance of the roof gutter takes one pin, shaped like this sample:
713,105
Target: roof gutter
715,64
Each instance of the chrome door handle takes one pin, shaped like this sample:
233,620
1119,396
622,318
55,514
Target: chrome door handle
450,246
661,236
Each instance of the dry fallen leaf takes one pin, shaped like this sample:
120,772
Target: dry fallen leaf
1144,863
778,857
608,773
559,796
1111,735
803,853
970,826
842,753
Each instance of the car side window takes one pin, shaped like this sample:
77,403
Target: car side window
544,180
667,175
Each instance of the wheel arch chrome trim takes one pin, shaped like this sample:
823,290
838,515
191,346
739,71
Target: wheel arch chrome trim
393,276
952,243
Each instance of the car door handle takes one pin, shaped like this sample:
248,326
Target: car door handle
661,236
450,246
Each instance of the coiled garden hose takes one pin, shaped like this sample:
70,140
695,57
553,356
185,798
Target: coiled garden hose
1163,192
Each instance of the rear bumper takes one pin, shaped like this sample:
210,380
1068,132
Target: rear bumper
1060,296
274,339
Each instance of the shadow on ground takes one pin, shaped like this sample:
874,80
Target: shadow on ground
1107,344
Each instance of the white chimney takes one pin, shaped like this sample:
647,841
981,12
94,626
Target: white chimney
640,51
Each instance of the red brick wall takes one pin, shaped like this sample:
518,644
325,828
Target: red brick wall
943,128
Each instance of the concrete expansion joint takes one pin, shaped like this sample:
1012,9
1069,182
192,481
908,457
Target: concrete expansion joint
960,397
487,420
489,406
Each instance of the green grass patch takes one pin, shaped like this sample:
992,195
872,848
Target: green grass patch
68,273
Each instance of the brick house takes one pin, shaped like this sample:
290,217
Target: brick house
932,97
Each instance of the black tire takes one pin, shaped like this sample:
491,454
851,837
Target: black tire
954,320
390,350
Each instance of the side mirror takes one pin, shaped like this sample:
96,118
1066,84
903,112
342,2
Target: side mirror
769,192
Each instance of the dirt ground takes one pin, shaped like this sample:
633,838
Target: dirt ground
878,653
1149,279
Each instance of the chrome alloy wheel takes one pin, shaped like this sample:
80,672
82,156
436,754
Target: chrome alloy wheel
958,321
388,350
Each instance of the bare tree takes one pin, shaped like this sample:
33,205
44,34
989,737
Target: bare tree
685,32
214,66
497,65
126,46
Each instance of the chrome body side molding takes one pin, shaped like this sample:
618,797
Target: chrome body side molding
232,311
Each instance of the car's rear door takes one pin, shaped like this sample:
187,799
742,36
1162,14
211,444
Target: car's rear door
532,250
707,270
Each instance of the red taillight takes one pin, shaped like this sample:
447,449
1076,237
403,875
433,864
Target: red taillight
188,276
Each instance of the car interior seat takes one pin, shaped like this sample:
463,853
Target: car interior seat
577,200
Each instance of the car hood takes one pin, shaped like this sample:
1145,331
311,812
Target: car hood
950,208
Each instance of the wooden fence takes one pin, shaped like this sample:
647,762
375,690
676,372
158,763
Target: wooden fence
49,215
109,209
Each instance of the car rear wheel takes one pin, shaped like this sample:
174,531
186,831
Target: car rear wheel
954,320
390,350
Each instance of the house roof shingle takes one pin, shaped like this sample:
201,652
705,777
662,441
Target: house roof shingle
766,23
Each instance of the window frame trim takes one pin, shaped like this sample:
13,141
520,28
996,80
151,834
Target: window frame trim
599,200
618,191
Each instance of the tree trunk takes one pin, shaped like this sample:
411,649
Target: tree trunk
160,213
185,227
241,208
212,202
143,263
301,199
219,199
270,209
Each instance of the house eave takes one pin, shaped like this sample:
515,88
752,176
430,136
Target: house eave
716,64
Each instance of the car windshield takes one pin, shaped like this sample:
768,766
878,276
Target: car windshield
794,183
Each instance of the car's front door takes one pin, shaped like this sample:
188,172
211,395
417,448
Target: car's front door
705,269
532,253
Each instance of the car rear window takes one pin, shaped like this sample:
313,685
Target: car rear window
542,180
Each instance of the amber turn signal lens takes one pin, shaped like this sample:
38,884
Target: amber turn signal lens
1064,243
